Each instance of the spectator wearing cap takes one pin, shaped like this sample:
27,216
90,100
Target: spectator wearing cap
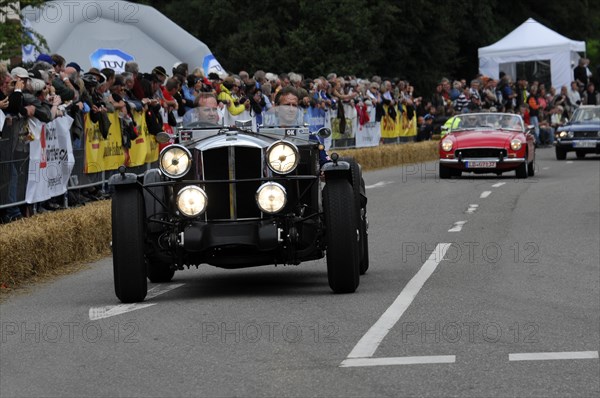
19,80
137,89
425,129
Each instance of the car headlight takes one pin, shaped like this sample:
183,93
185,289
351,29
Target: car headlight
516,144
562,134
175,161
192,201
271,197
447,145
282,157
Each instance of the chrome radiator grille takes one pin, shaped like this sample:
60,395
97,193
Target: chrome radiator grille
233,201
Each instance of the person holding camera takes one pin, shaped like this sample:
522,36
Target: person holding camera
226,97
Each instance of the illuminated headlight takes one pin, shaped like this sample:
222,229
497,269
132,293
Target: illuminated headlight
271,197
562,134
516,144
175,161
282,157
447,145
191,201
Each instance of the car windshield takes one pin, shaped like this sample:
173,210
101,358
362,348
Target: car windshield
284,116
587,115
486,121
202,117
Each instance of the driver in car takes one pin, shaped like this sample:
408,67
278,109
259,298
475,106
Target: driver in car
286,102
205,110
470,121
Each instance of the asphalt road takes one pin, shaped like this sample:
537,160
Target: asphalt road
480,286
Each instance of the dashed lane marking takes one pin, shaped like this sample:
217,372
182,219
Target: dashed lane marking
498,185
379,184
422,360
96,313
457,226
547,356
485,194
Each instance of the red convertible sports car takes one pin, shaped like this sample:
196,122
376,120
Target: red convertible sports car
486,143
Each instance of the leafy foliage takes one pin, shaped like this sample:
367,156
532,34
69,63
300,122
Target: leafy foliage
12,34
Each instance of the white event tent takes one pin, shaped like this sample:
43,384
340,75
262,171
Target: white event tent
532,41
109,33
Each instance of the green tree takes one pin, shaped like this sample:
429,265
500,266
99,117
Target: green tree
12,34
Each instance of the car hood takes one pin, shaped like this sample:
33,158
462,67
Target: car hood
241,140
580,127
484,138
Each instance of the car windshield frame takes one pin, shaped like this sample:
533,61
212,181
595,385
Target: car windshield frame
487,122
586,115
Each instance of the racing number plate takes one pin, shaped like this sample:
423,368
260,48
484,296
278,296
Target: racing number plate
584,144
477,164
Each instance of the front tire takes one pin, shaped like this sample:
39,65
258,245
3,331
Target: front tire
445,172
531,167
522,170
580,154
129,266
361,214
342,237
159,271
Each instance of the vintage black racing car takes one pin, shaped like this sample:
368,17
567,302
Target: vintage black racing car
232,197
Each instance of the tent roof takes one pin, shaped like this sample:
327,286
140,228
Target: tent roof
531,36
75,30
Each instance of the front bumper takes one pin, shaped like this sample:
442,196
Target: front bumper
498,164
584,145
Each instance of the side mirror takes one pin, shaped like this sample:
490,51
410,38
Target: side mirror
162,137
324,132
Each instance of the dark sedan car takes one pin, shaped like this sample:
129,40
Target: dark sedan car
581,134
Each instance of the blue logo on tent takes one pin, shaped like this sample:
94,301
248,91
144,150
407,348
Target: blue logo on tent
110,58
211,64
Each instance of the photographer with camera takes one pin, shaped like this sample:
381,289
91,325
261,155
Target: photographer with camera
235,106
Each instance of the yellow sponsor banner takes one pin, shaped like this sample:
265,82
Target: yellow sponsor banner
94,147
389,126
407,128
114,155
140,146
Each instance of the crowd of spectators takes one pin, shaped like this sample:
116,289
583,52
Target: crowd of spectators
51,87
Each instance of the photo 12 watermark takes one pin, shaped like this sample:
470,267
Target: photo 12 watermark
469,332
77,11
430,172
269,332
68,332
475,252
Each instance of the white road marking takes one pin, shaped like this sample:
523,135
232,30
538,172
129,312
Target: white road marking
472,209
545,168
485,194
498,185
457,226
96,313
570,162
352,362
368,344
545,356
379,184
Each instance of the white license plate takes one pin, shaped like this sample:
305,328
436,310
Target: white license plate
584,144
474,164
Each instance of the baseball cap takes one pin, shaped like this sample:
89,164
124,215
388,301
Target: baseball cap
74,65
37,85
45,58
19,72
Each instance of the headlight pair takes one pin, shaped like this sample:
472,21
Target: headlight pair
270,198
